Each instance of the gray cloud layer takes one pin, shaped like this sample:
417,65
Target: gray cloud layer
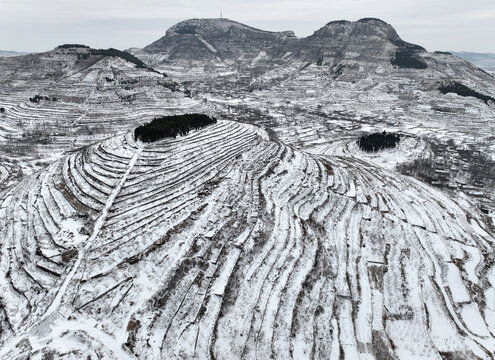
33,25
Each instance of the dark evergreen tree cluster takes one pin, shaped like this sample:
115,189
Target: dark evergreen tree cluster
377,141
2,110
463,90
405,55
171,126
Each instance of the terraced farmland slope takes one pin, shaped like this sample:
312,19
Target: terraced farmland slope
226,243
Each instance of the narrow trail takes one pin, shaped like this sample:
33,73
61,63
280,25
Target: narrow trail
82,252
96,230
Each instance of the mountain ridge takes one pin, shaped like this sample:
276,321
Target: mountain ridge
224,40
9,53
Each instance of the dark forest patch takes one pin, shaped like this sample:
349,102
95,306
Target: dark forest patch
463,90
171,126
378,141
405,59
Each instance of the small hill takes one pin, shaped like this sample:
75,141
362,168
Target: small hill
63,60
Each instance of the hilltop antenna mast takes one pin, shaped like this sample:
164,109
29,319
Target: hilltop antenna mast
221,16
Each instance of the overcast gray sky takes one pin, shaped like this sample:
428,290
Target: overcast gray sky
39,25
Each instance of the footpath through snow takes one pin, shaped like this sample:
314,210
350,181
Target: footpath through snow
54,307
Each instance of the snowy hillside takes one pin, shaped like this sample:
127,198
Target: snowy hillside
225,242
270,234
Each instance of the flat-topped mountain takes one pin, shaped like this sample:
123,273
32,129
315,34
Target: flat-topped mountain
367,40
365,26
64,60
212,39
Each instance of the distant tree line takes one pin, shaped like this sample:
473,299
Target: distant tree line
70,46
171,126
463,90
378,141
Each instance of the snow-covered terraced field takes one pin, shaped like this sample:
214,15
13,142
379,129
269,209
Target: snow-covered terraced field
82,102
227,243
317,113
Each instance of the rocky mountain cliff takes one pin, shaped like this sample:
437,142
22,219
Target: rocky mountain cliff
369,40
206,40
